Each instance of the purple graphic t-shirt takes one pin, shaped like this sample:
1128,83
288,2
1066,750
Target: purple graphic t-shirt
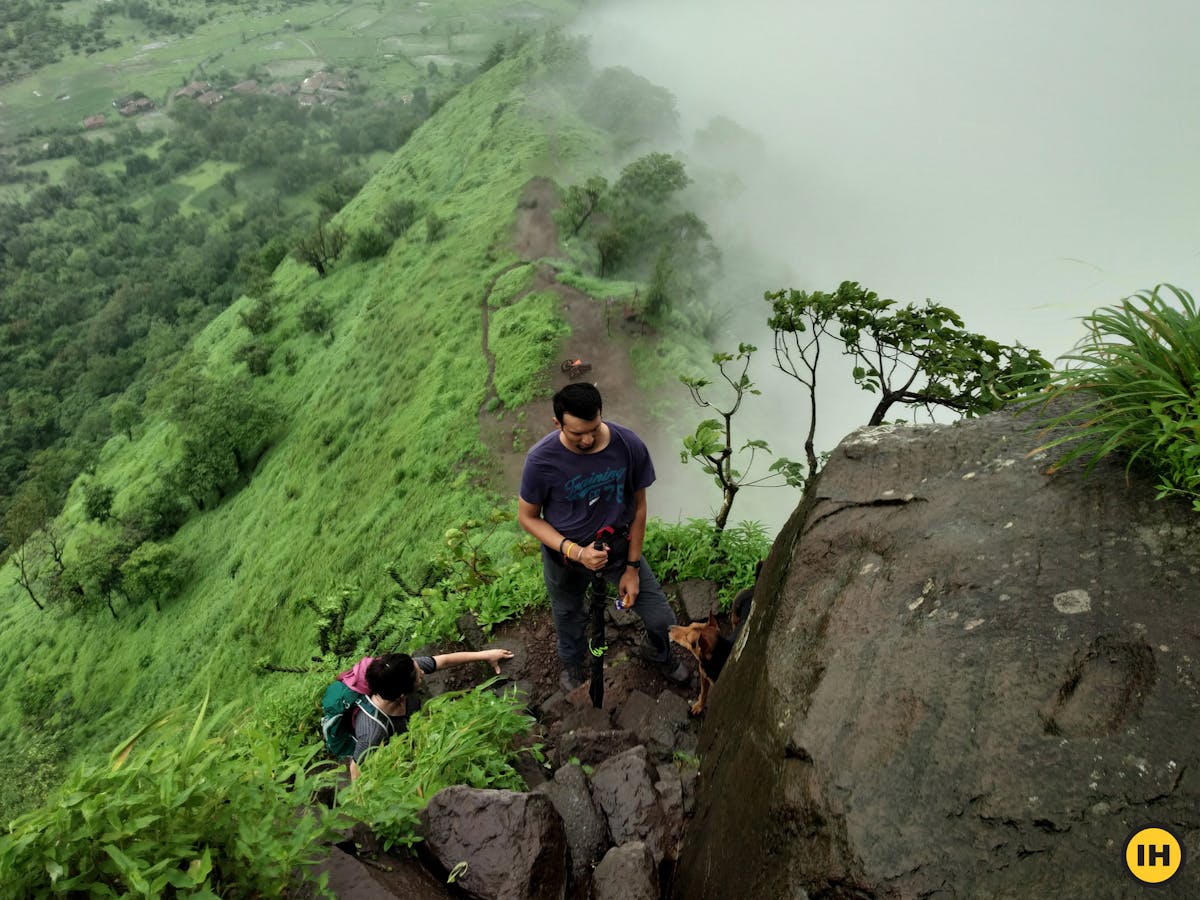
580,493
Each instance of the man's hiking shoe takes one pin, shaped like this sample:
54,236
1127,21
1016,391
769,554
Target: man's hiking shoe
569,680
647,652
676,673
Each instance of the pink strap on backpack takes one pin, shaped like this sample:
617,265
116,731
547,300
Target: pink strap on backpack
356,678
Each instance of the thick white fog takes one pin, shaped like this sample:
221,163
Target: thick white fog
1021,162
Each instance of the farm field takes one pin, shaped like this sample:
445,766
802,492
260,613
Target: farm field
390,46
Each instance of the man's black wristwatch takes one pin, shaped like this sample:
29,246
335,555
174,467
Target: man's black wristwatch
633,564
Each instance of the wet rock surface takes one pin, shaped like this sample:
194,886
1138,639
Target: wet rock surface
965,676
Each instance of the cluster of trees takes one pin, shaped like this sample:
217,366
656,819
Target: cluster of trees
33,35
638,228
104,278
221,431
96,298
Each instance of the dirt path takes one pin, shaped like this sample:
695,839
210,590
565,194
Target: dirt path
599,336
600,340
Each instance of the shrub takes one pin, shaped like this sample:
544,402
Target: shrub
256,355
692,549
159,511
398,215
460,737
208,807
97,501
1137,370
370,243
316,317
435,228
154,572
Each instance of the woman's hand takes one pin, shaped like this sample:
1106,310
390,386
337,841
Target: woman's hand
493,657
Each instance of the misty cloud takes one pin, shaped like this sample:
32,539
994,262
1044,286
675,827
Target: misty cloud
1023,163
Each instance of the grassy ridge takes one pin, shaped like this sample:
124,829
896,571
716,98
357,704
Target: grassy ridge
379,452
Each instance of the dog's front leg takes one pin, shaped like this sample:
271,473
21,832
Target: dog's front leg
698,706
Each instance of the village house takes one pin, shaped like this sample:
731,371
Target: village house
137,106
250,86
192,91
96,121
210,99
313,83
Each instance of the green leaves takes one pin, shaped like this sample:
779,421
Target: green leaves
916,355
1133,383
460,737
711,446
695,549
210,807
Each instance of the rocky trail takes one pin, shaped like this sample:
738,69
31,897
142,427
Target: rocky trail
605,814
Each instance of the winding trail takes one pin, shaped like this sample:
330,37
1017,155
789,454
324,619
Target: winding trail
599,335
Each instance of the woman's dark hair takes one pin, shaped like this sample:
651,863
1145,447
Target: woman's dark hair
581,400
392,676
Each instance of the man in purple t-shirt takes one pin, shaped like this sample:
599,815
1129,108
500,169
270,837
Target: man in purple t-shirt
585,476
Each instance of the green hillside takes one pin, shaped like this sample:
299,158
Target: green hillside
375,453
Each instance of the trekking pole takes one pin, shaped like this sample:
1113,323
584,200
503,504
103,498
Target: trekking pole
597,645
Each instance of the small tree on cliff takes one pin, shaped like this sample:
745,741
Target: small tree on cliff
919,356
321,247
712,444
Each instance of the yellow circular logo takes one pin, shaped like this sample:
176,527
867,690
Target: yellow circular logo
1153,855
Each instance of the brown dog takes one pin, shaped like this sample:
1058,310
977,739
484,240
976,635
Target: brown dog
711,648
705,642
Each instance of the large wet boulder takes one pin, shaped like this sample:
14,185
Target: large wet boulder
499,845
964,676
583,823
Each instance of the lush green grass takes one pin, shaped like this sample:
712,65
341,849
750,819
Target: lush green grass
376,458
524,338
459,738
1134,388
510,285
624,291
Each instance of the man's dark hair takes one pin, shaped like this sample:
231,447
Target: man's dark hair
581,400
392,676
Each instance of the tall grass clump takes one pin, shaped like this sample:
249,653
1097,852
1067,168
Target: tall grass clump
694,549
208,807
460,737
1135,383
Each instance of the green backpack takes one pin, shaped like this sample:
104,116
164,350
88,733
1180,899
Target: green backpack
339,707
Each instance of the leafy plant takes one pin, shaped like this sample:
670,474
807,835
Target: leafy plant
519,589
694,549
460,737
712,443
321,247
370,243
1138,371
466,560
210,808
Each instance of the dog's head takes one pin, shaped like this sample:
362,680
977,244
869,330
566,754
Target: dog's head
698,638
